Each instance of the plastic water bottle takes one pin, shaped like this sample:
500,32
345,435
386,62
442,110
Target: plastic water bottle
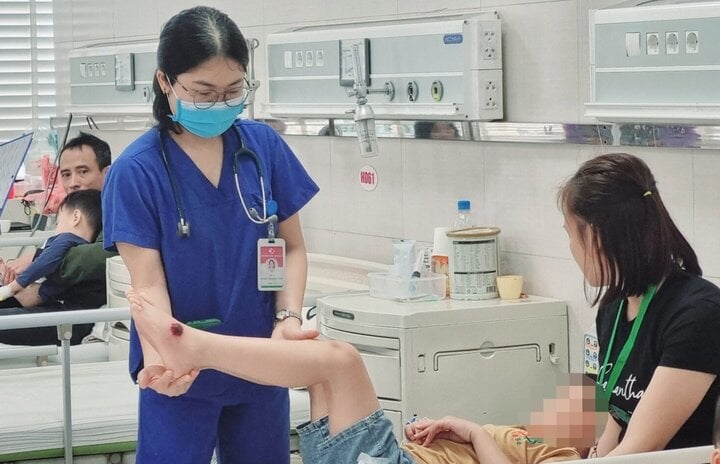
464,219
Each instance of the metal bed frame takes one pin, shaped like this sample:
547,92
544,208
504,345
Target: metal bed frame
64,321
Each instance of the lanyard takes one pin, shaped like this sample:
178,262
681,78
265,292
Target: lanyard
627,347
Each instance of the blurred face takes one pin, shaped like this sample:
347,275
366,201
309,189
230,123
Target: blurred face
79,169
442,131
581,238
569,420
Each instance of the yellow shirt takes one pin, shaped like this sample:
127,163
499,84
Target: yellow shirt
513,441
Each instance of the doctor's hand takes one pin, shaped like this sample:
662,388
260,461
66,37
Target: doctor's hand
160,379
289,329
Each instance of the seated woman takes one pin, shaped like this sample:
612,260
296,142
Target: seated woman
658,321
347,424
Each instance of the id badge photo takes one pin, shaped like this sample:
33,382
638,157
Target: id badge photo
271,264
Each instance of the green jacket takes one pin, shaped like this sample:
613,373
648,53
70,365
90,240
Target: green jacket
82,273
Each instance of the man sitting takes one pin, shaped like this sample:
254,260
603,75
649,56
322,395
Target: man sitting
84,161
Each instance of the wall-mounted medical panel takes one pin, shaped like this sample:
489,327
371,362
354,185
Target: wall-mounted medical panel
115,79
444,67
656,63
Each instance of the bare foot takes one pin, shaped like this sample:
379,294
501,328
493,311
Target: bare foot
173,340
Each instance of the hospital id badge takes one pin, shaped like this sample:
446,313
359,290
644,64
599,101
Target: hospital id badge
271,264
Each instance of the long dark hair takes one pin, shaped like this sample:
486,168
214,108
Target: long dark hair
187,40
616,195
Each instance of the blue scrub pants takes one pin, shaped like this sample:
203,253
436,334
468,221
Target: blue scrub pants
185,430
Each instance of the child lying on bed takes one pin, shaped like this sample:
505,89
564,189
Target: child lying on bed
347,424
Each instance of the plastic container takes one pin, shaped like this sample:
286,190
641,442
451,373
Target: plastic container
440,252
430,288
464,218
473,263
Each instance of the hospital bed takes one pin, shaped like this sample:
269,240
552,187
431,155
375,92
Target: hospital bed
33,426
62,411
64,321
104,432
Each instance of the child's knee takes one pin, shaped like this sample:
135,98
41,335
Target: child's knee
344,355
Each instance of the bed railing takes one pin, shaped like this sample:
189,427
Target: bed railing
64,321
696,455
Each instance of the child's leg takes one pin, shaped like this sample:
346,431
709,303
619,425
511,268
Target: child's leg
318,403
336,366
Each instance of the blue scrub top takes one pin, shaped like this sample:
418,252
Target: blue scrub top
212,273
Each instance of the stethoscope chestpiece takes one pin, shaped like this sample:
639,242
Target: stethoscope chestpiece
183,228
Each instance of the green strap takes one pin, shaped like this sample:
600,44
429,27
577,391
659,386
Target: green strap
627,347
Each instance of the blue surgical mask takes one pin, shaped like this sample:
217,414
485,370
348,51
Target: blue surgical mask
209,122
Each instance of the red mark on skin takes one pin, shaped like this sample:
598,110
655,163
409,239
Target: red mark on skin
176,329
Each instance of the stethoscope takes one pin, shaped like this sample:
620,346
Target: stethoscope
269,206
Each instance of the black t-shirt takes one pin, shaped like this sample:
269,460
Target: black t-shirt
681,329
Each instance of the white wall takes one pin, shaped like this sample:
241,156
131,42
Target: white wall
512,186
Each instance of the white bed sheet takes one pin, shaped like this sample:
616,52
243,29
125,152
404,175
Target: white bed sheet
104,406
31,406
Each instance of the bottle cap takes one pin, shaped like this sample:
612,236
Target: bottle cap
463,204
441,243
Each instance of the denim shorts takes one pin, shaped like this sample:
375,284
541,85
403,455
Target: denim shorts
372,436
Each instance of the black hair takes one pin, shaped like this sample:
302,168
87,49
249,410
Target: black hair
617,197
716,425
187,40
89,203
100,147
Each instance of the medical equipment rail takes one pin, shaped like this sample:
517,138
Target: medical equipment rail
22,241
694,455
64,321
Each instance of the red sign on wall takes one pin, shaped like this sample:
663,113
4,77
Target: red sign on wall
368,178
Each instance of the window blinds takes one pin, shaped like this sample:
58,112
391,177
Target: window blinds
27,67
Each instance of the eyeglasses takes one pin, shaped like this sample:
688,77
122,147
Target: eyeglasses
204,99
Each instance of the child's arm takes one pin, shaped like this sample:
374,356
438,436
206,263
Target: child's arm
50,259
609,438
460,431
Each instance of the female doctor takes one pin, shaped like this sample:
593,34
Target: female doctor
658,322
196,206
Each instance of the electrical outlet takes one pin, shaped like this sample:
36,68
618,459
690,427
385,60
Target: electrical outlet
491,95
490,45
488,53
